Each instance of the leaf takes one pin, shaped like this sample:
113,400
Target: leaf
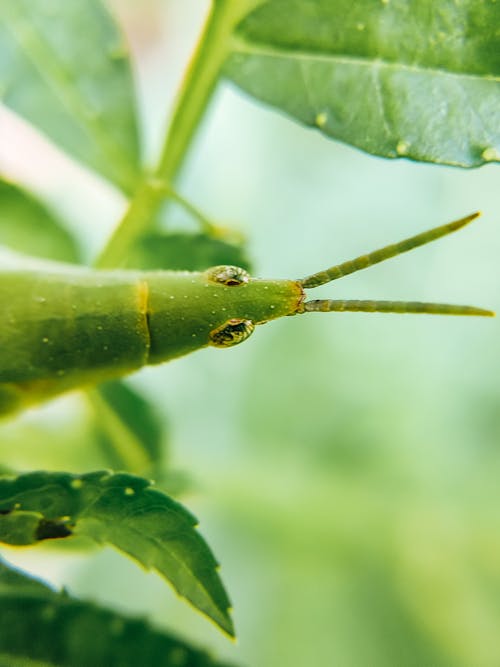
48,626
27,226
121,510
64,67
127,429
188,252
419,80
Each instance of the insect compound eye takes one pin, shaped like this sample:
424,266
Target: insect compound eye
228,275
231,333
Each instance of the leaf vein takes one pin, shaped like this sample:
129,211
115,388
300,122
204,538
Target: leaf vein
243,47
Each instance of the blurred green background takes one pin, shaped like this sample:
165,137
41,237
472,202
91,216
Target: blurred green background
344,467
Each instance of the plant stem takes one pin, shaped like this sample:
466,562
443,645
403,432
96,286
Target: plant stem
126,446
206,225
194,96
139,215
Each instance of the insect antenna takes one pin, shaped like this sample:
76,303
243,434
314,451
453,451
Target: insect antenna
330,305
364,261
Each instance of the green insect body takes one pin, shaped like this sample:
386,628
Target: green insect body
66,327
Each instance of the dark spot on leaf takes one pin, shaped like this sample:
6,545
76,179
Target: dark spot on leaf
49,530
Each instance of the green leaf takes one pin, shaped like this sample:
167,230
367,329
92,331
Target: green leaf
27,226
127,429
64,67
51,628
121,510
419,80
188,252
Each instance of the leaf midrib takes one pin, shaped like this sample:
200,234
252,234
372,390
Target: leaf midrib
45,54
243,46
158,545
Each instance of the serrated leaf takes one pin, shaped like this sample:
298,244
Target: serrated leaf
28,226
40,624
121,510
188,252
64,67
419,80
127,429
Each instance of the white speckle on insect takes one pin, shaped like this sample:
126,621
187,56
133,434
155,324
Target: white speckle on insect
171,296
129,491
17,506
45,339
224,309
213,312
40,299
61,372
105,347
197,296
193,282
272,307
66,517
321,119
99,327
76,483
490,154
266,286
193,335
185,296
402,147
385,2
360,26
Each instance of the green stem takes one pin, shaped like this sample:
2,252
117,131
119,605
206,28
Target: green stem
195,94
126,446
139,215
206,225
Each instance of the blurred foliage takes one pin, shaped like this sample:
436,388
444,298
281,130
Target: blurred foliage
77,91
347,467
128,431
27,226
64,631
185,252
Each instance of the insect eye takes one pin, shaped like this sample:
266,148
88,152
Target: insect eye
231,333
228,275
